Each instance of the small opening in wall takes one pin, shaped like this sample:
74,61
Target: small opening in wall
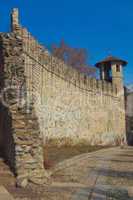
118,68
85,79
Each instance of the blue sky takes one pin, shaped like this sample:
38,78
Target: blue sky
103,27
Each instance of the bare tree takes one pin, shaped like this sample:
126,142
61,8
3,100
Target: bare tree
76,57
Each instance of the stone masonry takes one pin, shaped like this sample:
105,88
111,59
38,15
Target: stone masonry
52,101
21,139
129,116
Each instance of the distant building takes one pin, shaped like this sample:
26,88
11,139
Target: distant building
129,116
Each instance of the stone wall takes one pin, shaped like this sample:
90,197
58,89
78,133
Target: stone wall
129,117
21,139
43,98
71,106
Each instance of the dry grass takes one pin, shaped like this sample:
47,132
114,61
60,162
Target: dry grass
55,154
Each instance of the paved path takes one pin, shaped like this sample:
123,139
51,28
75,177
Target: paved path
103,175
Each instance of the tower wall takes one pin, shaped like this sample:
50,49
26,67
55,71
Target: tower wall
117,77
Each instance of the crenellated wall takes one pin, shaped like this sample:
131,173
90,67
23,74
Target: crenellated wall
52,101
70,105
37,55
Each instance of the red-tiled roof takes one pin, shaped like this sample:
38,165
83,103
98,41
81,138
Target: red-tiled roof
111,59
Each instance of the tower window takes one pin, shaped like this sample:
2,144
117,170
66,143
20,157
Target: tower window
118,68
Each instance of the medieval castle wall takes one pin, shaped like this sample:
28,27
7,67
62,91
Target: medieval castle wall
70,105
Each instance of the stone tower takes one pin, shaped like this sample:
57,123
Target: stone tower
111,70
15,20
